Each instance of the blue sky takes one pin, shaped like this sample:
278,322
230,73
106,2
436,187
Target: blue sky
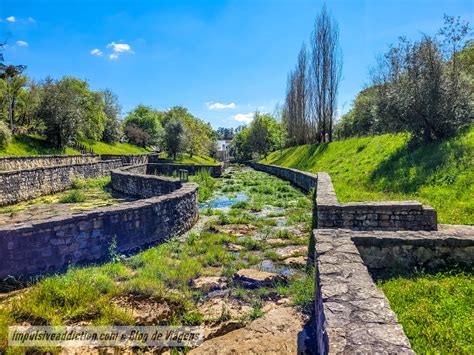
221,59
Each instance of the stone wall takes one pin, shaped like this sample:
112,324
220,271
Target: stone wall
392,215
305,181
21,185
43,161
405,250
127,159
134,182
352,315
169,169
51,245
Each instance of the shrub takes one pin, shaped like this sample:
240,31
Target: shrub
5,135
74,196
206,184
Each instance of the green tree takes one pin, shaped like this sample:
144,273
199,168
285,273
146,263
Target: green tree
14,82
198,135
239,146
263,134
174,138
146,120
112,109
61,109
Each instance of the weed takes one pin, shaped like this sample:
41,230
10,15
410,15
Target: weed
73,196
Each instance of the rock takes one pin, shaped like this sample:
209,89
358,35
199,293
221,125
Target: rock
234,247
254,278
297,261
145,310
277,241
292,250
209,283
276,332
239,230
220,309
221,328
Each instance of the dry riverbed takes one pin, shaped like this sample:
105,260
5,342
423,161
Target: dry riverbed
241,273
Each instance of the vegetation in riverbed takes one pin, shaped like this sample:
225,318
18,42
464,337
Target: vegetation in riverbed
435,310
85,194
385,167
231,240
206,184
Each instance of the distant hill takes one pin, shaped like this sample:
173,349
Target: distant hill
384,167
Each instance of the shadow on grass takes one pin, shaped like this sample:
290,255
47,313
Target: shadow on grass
413,166
416,273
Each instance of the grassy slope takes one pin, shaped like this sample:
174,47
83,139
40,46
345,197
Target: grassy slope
115,148
196,159
378,168
32,145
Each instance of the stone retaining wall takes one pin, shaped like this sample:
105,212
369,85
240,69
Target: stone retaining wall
21,185
127,159
352,315
405,250
302,179
133,181
42,161
169,169
51,245
392,215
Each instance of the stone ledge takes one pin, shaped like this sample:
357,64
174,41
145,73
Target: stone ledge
351,313
20,185
48,246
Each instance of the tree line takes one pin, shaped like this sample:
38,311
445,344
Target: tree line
424,87
66,111
311,97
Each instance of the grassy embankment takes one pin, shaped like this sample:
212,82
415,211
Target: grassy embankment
114,148
384,167
195,159
23,144
32,145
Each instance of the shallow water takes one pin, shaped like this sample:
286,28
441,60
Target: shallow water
224,201
269,266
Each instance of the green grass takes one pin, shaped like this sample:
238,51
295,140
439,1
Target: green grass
23,144
165,272
385,167
114,148
436,311
73,196
85,194
195,160
206,184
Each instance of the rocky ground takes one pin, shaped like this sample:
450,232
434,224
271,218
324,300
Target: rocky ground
241,273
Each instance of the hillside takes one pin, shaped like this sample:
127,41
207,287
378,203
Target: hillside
194,160
32,145
114,148
35,145
382,168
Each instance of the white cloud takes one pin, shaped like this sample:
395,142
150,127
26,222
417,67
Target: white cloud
97,52
244,117
113,56
31,19
119,47
22,44
11,19
219,106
